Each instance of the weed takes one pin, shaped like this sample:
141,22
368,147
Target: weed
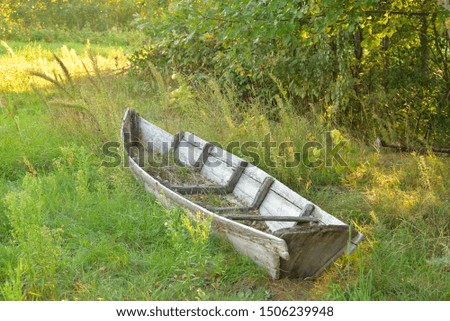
12,289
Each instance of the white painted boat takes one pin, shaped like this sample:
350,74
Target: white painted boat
293,237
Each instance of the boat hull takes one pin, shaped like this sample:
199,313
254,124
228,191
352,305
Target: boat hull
287,249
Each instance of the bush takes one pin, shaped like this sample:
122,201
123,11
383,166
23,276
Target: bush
348,62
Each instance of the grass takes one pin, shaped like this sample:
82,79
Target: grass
86,233
72,229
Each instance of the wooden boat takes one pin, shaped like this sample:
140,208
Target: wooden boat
262,218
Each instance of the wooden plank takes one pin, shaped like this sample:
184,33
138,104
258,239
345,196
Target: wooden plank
214,189
235,209
256,203
203,156
216,173
134,127
151,135
348,248
235,176
188,154
308,210
292,197
246,189
312,249
176,140
258,253
276,205
125,125
249,217
262,192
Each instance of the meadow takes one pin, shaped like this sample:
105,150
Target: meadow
71,229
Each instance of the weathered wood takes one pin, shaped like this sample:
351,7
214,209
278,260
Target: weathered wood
203,157
156,138
311,248
125,124
134,126
248,217
262,192
228,209
259,197
213,189
248,185
252,177
276,205
308,210
235,176
176,140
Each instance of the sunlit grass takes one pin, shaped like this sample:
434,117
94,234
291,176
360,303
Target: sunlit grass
16,64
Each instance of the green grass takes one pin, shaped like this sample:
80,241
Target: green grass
74,230
84,232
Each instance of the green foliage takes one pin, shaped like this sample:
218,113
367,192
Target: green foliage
17,17
362,64
39,245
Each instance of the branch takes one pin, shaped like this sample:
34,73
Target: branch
420,150
402,13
